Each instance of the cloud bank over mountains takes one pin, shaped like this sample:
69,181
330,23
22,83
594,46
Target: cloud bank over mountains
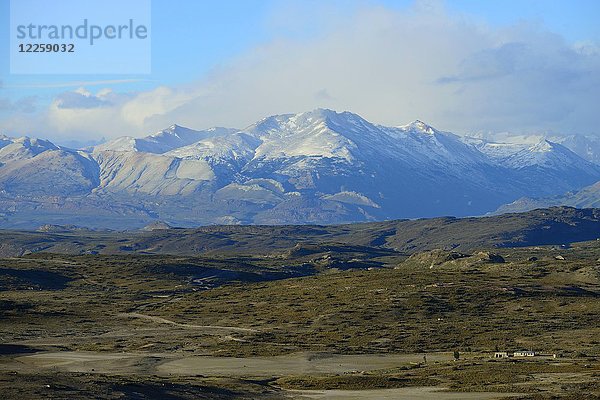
388,65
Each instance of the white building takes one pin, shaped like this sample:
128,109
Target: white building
524,353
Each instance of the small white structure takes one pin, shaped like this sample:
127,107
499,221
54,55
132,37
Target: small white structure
524,353
501,354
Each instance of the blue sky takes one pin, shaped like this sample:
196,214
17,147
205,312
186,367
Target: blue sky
193,41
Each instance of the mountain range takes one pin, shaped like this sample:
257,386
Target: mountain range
318,167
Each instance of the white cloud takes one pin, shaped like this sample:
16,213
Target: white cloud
82,99
389,66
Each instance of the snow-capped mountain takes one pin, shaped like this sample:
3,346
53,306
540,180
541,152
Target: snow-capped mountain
319,166
543,163
34,166
146,166
544,154
23,148
587,147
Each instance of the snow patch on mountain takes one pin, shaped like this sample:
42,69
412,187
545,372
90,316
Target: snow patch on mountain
250,192
163,141
234,146
196,170
543,153
418,126
350,197
24,147
586,147
134,172
306,135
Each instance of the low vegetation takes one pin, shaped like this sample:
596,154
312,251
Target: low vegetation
315,299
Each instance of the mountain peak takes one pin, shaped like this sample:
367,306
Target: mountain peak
171,130
543,146
28,142
420,127
178,128
321,111
315,116
329,113
334,118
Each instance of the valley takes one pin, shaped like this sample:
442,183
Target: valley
348,311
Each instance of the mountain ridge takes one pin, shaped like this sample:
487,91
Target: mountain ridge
319,165
551,226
